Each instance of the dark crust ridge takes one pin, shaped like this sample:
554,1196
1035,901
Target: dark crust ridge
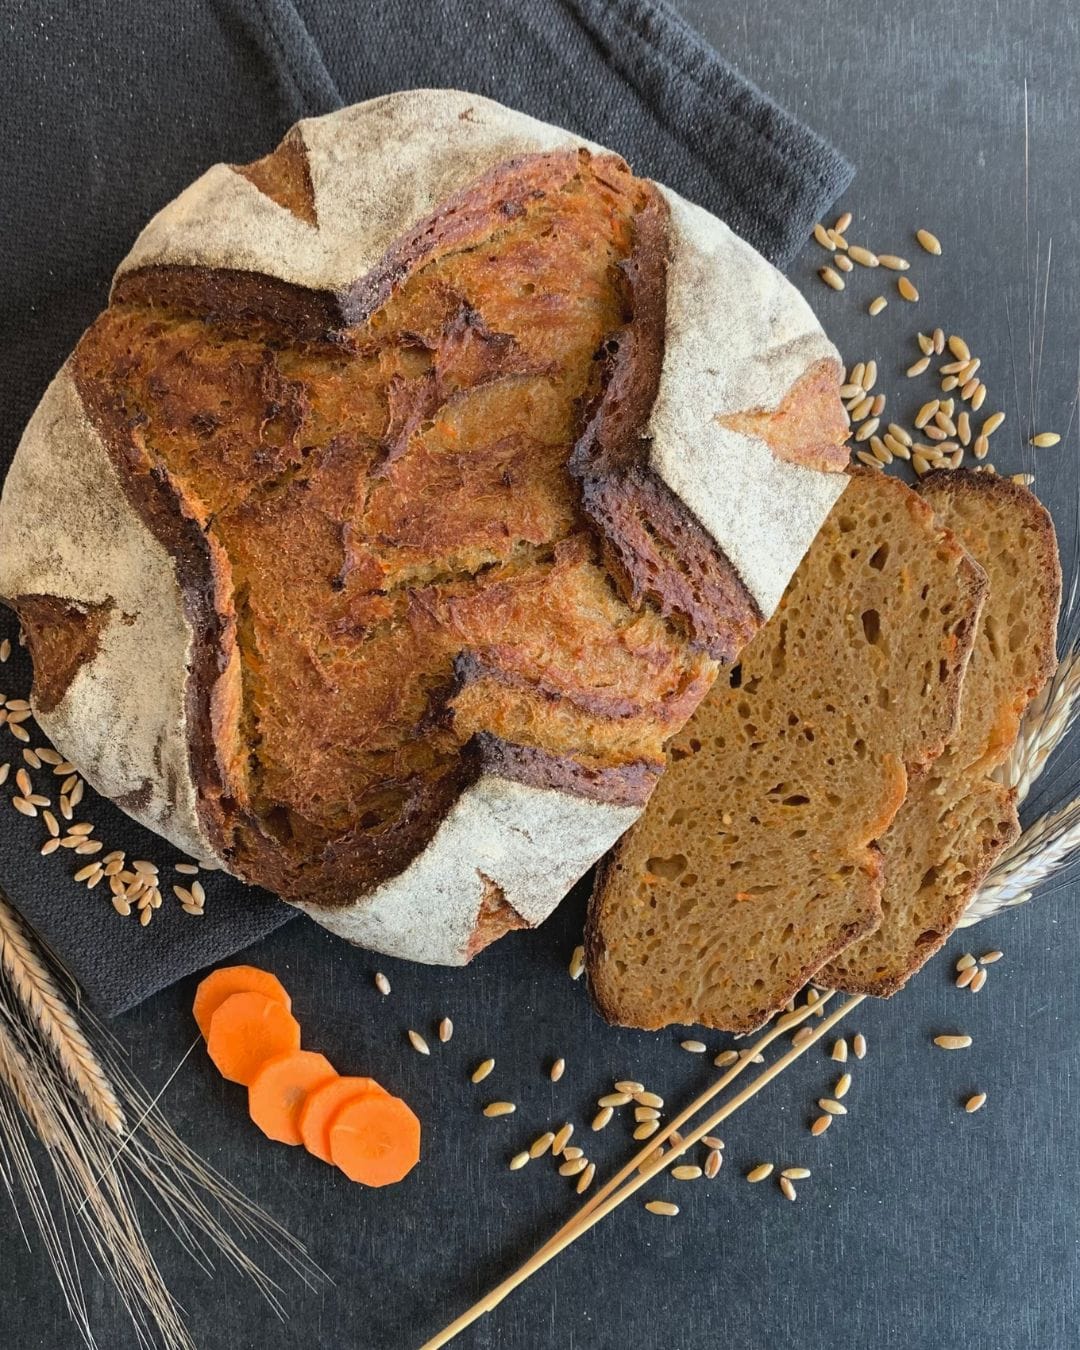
618,490
62,638
653,545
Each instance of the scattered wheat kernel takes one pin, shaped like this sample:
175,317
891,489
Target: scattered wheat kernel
978,982
878,405
926,344
712,1141
978,398
88,871
787,1188
837,239
842,1086
760,1172
482,1070
965,977
630,1085
822,236
981,448
5,649
965,962
927,411
930,242
418,1043
944,422
121,906
867,429
877,305
863,256
895,447
557,1070
859,1046
802,1036
540,1145
499,1109
988,958
183,895
861,407
18,732
614,1099
577,963
446,1029
820,1125
646,1129
726,1058
382,984
956,458
188,869
918,367
562,1138
646,1113
573,1152
938,339
145,915
851,391
796,1173
952,1042
713,1163
23,806
906,289
949,383
975,1103
871,461
843,221
839,1051
991,423
49,846
831,278
518,1161
832,1107
963,427
959,348
1044,439
843,262
573,1167
586,1179
891,260
880,450
899,433
648,1099
686,1172
869,375
694,1047
969,390
602,1117
664,1207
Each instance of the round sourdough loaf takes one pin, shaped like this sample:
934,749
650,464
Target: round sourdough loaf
398,509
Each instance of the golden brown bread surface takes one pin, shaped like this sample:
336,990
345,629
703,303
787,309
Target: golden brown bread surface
955,820
754,862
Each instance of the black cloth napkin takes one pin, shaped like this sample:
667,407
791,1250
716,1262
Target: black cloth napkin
109,109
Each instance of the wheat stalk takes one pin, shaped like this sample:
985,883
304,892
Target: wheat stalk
1045,724
49,1074
38,993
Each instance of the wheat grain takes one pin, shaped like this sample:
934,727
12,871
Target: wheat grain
929,241
495,1109
820,1125
418,1043
664,1207
577,963
831,278
1044,439
951,1042
975,1103
557,1070
482,1070
518,1161
877,305
760,1172
787,1188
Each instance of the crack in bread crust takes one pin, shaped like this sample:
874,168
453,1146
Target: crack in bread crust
654,602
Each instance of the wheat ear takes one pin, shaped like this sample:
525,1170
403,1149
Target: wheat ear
37,992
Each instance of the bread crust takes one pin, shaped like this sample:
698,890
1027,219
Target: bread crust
285,241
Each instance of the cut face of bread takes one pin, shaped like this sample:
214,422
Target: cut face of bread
378,536
955,820
755,860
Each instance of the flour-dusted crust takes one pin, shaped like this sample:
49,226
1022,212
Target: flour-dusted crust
719,424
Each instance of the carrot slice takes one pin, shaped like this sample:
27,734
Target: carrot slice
322,1105
375,1140
278,1091
220,984
246,1031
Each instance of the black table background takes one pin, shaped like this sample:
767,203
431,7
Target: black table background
921,1226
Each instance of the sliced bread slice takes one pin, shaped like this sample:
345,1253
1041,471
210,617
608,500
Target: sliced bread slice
754,863
956,820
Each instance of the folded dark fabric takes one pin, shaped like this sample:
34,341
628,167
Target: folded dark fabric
109,110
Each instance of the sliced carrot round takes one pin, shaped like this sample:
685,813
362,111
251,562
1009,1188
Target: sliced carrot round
222,983
278,1091
246,1031
320,1109
375,1140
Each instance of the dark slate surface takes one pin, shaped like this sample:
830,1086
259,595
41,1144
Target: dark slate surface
921,1227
